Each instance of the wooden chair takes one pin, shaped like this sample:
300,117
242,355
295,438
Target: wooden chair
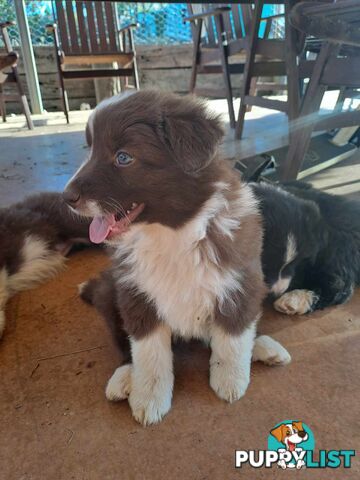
86,34
11,75
227,36
336,66
283,61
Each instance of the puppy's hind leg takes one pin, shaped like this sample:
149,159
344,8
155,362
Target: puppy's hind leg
100,292
270,352
4,295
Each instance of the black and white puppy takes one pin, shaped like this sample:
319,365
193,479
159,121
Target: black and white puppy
311,254
35,236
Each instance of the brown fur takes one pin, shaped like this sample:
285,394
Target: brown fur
174,143
101,293
44,215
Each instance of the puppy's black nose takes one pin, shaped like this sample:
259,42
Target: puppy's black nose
302,433
71,197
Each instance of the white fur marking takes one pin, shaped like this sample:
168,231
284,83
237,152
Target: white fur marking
177,268
152,377
230,362
81,287
296,302
291,251
39,264
281,285
269,351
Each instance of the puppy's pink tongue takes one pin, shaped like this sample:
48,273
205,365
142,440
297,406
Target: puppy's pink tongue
100,228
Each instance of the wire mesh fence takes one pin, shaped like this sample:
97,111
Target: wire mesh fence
158,22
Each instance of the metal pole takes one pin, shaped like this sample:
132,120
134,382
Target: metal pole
28,58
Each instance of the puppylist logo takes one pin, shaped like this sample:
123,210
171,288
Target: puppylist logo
291,445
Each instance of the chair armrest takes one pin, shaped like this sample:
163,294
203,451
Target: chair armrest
209,13
128,27
7,24
270,17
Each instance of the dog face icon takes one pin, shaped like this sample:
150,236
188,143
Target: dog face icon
290,434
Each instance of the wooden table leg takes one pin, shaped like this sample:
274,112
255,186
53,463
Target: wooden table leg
303,126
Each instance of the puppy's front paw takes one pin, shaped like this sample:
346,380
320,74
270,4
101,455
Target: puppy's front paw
150,405
228,381
296,302
269,351
119,385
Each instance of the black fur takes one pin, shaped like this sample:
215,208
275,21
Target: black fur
327,233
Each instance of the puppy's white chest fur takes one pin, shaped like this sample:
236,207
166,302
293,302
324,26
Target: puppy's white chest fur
178,269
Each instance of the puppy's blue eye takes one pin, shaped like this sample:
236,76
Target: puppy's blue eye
123,159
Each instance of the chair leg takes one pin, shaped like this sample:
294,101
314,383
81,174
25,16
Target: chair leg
250,59
252,91
195,57
341,99
27,113
132,49
225,68
136,74
292,74
301,134
23,99
64,97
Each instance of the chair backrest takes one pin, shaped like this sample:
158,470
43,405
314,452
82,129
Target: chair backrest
87,27
237,21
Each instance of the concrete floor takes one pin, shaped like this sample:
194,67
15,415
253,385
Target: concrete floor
57,355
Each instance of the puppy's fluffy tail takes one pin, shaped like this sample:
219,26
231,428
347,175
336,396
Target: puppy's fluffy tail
87,290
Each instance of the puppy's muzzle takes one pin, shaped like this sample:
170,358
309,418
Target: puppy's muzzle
71,196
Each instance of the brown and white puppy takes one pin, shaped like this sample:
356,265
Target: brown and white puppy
187,240
35,236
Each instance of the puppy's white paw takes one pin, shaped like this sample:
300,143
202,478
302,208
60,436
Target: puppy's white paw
269,351
2,322
150,405
119,385
296,302
228,382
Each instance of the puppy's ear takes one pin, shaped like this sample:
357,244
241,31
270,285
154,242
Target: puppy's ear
278,433
191,133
